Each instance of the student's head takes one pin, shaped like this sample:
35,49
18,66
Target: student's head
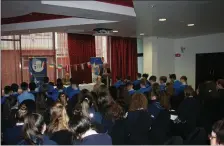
46,80
7,90
51,83
129,85
24,86
220,84
104,101
58,118
138,102
98,80
15,87
21,113
189,91
152,79
139,75
60,85
32,86
145,76
118,78
128,78
162,80
217,134
59,80
79,126
172,77
63,98
33,128
116,112
183,79
155,92
7,107
142,83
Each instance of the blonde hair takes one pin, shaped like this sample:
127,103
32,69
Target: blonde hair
59,118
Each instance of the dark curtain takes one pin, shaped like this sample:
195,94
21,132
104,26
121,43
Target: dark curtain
81,48
123,57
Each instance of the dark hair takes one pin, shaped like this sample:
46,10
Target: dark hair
15,87
7,107
153,78
128,77
129,83
41,104
7,89
173,76
145,76
32,128
21,113
184,78
104,101
60,85
51,83
59,80
138,101
32,86
63,98
46,79
218,128
118,78
80,125
24,86
156,91
143,81
139,75
189,91
163,78
116,112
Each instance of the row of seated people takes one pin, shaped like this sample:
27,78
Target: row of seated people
127,119
142,85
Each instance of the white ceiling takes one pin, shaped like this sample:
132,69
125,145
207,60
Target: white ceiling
207,17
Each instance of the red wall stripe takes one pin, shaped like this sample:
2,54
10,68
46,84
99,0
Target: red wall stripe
127,3
32,17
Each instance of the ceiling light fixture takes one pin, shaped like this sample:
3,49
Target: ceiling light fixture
142,34
190,24
162,19
115,30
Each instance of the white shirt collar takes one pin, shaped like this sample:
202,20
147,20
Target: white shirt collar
89,132
19,124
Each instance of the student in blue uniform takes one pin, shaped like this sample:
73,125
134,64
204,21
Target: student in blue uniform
32,87
72,89
145,76
118,82
130,89
7,93
162,81
33,129
176,83
137,82
25,95
143,88
15,88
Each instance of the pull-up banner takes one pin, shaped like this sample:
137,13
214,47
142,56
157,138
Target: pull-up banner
37,69
96,63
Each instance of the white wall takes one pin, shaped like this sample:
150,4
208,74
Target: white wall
185,65
158,56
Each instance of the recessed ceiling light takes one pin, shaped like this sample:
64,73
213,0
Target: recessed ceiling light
190,24
162,19
142,34
153,6
115,30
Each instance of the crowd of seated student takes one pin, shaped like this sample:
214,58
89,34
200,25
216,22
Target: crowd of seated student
141,112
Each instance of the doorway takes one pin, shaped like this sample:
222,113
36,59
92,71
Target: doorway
209,66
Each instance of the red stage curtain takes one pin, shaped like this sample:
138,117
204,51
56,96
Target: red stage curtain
81,48
123,57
